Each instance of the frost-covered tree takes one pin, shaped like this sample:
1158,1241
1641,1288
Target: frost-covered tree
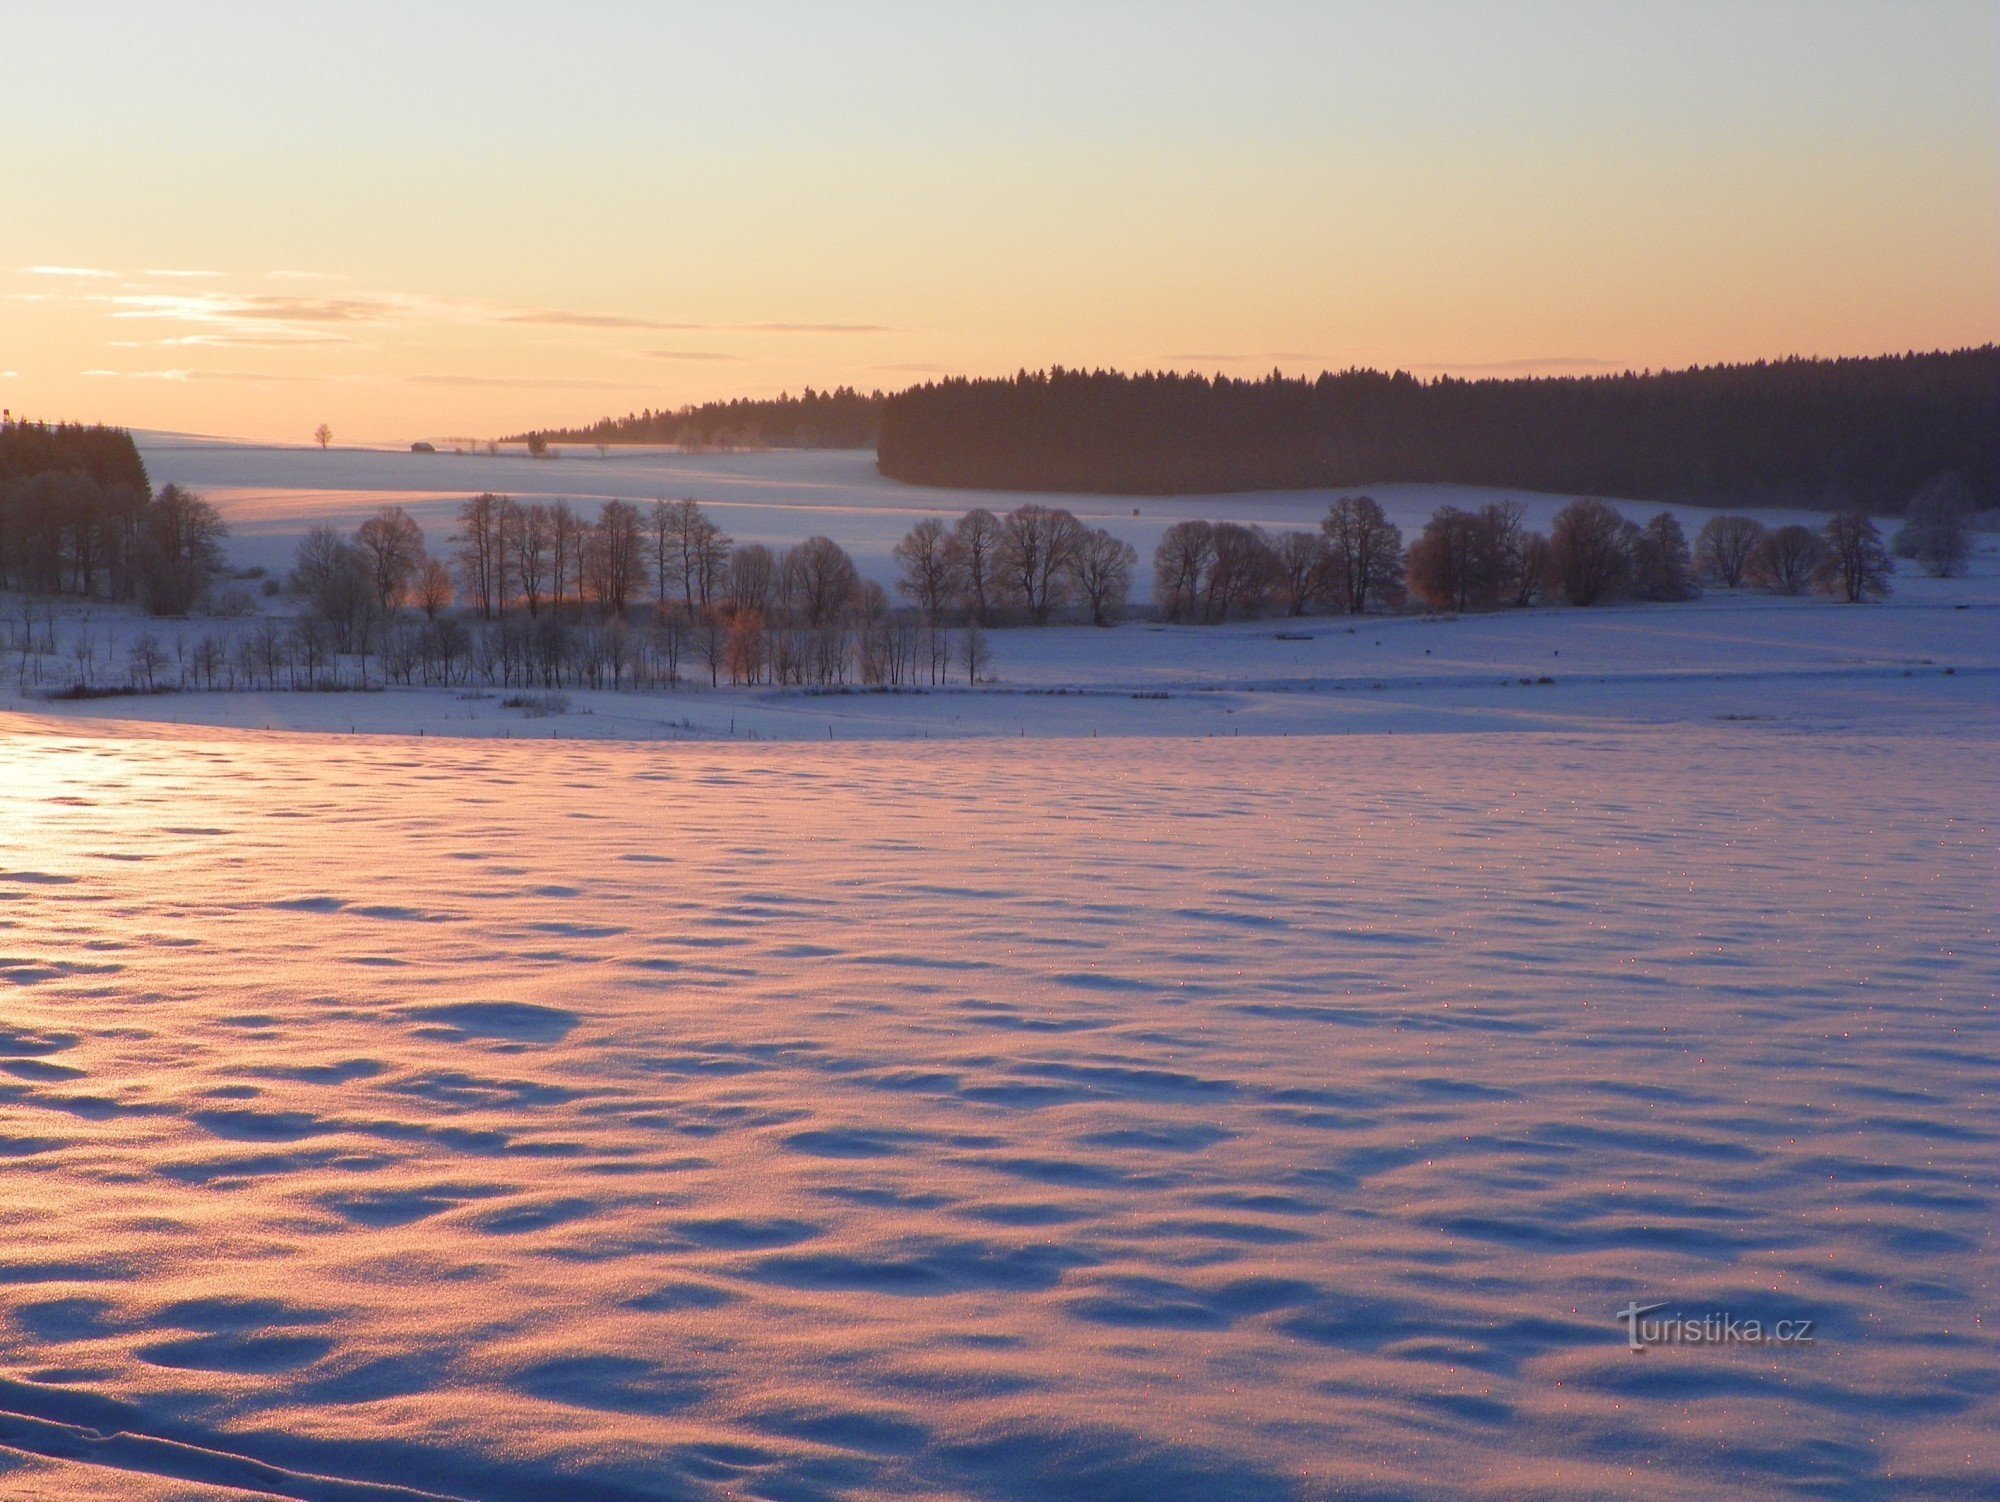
1934,532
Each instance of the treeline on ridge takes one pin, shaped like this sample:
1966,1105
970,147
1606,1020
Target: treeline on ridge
1832,434
842,418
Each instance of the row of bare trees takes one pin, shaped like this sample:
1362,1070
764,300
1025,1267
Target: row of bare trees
1031,563
1489,558
630,595
562,588
552,651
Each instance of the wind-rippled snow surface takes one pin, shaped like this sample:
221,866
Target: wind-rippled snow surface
1245,1119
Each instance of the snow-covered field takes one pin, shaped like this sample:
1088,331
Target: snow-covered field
271,495
1275,1096
1183,1118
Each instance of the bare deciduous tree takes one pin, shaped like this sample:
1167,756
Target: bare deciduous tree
1722,551
1662,568
824,581
1589,551
179,551
1783,560
752,568
1101,568
566,532
974,652
617,557
530,541
690,550
1365,554
434,592
1181,566
932,572
1301,559
481,567
976,543
1036,544
1854,566
1243,570
1451,565
391,543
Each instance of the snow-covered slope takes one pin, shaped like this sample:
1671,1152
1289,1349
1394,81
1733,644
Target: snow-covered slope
270,496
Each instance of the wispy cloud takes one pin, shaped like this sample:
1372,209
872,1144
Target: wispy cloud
562,318
244,311
179,275
278,338
76,271
305,276
687,354
800,328
200,375
526,382
556,318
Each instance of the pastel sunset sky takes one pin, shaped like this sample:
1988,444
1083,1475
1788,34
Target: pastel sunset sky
462,219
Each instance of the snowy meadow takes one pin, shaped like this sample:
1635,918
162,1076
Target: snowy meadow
1243,1062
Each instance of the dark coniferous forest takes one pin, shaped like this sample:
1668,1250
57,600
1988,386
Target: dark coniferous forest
107,455
839,419
1827,433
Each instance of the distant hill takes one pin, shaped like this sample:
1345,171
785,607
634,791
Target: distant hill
839,419
1824,433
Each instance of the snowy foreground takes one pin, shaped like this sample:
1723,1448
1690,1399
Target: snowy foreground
1148,1118
1273,1096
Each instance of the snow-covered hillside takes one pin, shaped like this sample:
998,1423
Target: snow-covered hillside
271,495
